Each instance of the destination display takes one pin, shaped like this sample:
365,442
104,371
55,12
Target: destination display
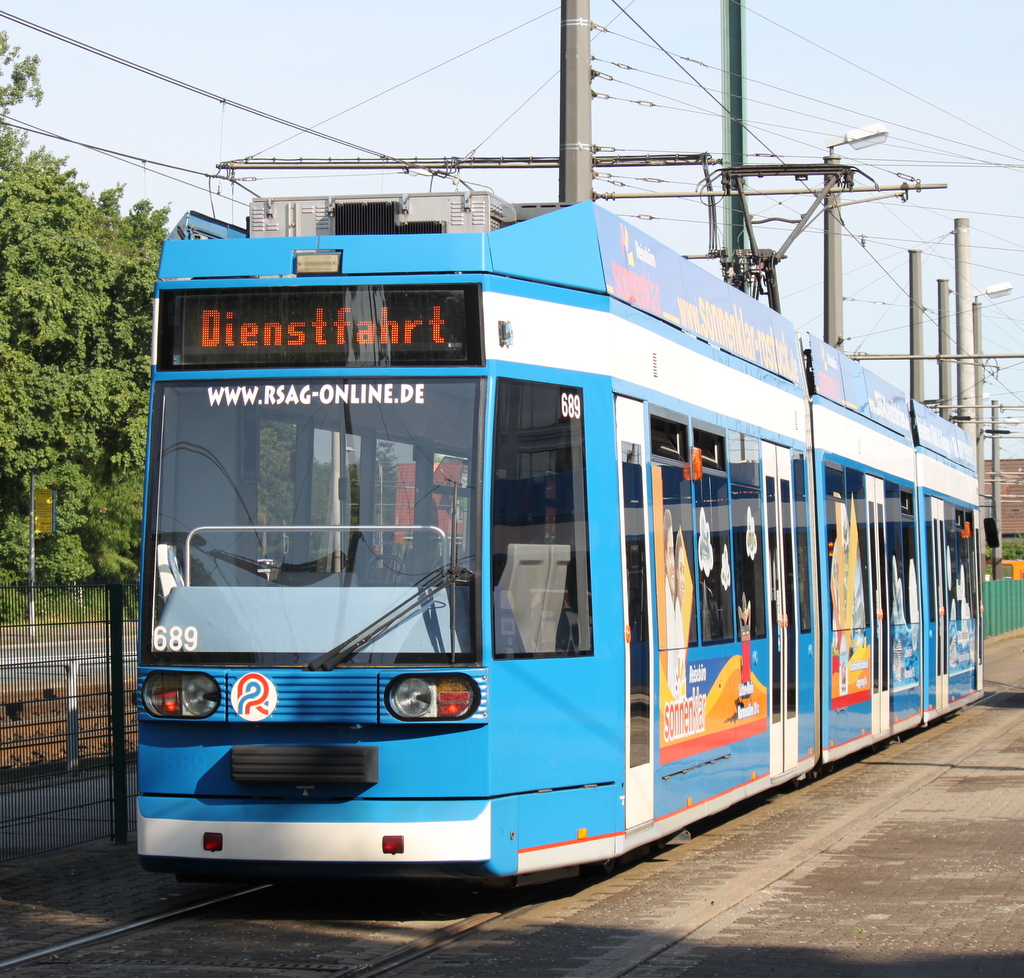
352,326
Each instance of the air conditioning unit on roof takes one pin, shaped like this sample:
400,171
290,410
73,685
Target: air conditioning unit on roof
448,213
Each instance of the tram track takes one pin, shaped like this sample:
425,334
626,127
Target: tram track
631,923
113,933
92,954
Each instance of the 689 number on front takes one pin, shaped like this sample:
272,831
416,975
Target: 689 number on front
175,638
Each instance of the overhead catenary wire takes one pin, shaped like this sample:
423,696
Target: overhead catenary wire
1015,162
687,72
194,89
418,75
886,81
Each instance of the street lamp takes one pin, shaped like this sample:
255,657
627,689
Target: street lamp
871,135
993,291
833,287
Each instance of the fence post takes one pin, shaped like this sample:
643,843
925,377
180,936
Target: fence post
119,766
71,731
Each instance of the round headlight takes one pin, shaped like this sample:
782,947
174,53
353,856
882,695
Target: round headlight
451,696
192,695
411,698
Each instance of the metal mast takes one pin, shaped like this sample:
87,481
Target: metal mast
575,144
733,132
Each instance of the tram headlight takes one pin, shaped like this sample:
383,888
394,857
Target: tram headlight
447,697
188,695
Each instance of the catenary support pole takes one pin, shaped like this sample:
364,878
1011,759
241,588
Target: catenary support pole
964,314
916,327
977,394
945,349
575,144
733,132
833,311
997,493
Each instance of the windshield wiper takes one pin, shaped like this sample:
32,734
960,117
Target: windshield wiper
434,582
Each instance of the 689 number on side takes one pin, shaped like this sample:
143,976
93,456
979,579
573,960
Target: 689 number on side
572,404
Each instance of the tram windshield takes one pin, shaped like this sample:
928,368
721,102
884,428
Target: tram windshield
318,524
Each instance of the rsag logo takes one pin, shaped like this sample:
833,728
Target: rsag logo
254,696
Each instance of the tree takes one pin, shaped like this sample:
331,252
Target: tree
76,281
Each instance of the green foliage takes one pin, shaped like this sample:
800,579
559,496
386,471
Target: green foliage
1013,549
76,281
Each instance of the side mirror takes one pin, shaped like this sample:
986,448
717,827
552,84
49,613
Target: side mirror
992,538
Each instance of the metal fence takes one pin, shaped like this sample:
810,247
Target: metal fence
68,730
1004,606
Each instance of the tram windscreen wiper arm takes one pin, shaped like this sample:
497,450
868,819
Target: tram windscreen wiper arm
343,652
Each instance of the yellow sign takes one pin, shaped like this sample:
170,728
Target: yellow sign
46,511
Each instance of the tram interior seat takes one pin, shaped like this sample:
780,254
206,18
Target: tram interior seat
534,583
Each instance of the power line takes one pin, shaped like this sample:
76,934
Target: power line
689,74
420,74
884,80
141,162
808,98
195,90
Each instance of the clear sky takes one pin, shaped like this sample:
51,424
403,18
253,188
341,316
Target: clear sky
411,79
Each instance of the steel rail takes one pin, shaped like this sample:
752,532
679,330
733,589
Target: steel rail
101,936
418,948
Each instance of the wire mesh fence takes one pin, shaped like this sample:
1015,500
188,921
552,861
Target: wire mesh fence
68,730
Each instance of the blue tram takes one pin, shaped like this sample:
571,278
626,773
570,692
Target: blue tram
480,547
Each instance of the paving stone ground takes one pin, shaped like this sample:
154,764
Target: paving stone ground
907,863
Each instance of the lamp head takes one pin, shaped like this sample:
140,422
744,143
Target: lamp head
997,291
871,135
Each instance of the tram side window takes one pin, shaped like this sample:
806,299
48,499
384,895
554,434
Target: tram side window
964,578
845,516
541,562
673,544
714,527
748,551
901,575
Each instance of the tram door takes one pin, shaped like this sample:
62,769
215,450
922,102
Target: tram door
783,680
637,645
880,693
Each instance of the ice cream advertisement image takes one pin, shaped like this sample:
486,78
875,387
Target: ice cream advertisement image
851,660
711,701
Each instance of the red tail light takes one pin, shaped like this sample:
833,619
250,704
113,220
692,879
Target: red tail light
453,702
168,702
213,841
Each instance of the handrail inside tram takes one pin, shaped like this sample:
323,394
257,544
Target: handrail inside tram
321,528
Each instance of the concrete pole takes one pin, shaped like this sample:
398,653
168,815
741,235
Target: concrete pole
833,312
977,390
576,151
733,133
997,493
964,315
916,327
945,348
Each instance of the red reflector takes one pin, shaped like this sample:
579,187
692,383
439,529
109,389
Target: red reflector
213,841
393,844
453,702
